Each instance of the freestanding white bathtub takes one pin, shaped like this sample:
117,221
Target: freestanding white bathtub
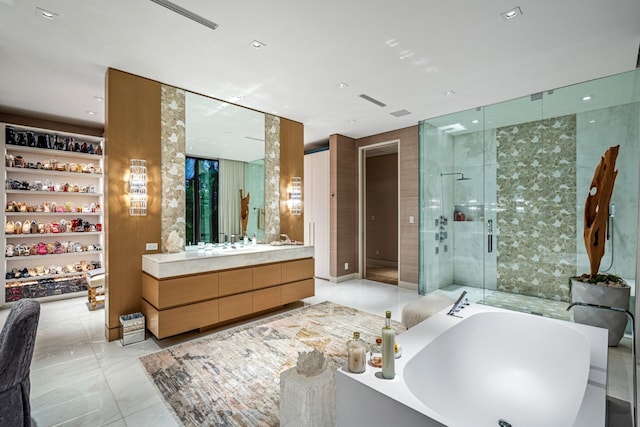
489,367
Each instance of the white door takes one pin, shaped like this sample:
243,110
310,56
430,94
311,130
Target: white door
316,209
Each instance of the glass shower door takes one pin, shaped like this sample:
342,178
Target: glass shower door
453,230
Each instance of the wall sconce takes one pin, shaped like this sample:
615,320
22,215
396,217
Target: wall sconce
295,196
138,187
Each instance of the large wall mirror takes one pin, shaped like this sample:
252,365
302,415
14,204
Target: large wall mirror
225,150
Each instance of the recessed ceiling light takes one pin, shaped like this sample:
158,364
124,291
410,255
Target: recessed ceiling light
342,85
236,98
511,13
352,121
448,93
476,121
91,113
257,44
45,14
587,98
592,121
98,98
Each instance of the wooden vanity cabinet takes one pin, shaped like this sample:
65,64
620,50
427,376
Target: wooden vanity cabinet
179,304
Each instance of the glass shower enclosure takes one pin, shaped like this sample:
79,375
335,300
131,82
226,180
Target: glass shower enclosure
503,187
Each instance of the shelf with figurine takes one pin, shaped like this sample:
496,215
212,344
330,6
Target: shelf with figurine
13,208
53,193
19,251
27,140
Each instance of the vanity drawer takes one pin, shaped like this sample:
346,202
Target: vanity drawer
267,275
297,270
165,323
264,299
296,291
235,281
180,290
235,306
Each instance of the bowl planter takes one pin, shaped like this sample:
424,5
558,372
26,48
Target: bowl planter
606,290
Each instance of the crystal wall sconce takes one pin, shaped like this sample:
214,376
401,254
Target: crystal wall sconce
138,187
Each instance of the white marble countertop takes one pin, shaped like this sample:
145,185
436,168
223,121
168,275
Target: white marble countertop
194,261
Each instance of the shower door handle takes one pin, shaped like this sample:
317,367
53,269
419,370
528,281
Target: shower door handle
490,235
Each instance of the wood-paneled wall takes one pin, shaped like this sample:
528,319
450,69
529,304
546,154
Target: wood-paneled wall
291,164
343,189
409,197
132,131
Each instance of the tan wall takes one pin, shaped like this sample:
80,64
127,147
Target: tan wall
409,194
381,217
132,131
343,188
291,164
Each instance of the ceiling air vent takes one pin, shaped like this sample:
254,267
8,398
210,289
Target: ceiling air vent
372,100
400,113
186,13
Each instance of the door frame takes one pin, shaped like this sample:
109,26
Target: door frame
362,203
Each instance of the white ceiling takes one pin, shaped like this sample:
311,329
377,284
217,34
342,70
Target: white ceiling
405,54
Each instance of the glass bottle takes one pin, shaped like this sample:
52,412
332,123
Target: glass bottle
356,354
388,349
376,353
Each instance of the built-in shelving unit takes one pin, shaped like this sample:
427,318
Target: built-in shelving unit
54,183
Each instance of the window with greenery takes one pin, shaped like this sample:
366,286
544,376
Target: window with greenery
202,200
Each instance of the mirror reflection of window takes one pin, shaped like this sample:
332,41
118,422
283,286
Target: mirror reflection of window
201,188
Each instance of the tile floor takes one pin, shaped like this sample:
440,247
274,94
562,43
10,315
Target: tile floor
79,379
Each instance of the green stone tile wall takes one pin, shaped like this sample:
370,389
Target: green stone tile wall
536,194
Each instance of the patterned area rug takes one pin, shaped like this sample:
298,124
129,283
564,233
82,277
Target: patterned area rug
233,377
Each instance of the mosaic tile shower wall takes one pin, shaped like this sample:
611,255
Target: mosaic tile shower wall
173,169
536,192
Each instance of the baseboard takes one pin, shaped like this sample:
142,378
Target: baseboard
344,278
408,285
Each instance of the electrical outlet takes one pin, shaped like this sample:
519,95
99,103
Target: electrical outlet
377,252
346,265
411,219
152,246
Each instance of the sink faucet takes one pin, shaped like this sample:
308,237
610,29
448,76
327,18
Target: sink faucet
459,304
633,348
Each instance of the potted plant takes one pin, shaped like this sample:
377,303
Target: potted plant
606,290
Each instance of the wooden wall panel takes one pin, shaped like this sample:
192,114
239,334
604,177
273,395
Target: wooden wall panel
291,164
343,189
132,131
409,195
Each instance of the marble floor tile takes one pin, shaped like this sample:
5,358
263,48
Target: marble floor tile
80,379
153,416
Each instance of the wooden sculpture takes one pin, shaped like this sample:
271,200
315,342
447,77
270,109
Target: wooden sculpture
596,209
244,212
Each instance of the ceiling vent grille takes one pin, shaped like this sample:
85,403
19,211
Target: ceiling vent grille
186,13
400,113
373,100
